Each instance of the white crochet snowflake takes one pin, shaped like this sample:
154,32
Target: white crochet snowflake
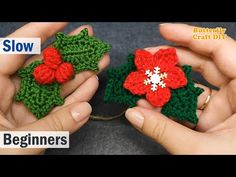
155,78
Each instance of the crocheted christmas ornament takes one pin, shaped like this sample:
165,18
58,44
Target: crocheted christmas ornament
41,80
155,75
159,79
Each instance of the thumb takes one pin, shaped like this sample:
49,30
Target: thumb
173,136
69,118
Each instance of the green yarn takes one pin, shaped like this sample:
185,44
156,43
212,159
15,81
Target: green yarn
39,99
82,51
114,92
183,102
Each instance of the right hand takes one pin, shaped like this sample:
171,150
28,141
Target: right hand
216,130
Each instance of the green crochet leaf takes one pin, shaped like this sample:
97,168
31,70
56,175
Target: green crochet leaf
183,102
39,99
82,50
114,92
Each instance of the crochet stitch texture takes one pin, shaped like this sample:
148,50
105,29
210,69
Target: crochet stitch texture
183,101
82,51
156,74
40,99
53,68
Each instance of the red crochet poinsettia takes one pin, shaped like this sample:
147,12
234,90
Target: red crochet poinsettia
53,68
155,76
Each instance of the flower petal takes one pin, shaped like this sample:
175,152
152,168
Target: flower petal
134,82
160,97
143,60
166,59
175,78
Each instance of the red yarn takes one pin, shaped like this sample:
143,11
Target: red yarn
155,75
43,74
52,57
53,68
64,72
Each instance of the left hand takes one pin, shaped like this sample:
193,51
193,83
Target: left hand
75,112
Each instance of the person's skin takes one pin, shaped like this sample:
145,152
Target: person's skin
75,112
216,131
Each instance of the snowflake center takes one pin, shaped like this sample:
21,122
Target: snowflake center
155,78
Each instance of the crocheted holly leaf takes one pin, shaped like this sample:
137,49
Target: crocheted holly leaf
82,51
39,99
182,104
114,91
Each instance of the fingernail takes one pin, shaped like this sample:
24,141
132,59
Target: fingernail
97,78
135,117
81,111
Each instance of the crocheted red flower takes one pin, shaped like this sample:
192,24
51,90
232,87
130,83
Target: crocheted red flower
155,76
53,68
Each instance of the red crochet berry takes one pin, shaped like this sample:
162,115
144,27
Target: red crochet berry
64,72
43,74
53,68
52,57
155,76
